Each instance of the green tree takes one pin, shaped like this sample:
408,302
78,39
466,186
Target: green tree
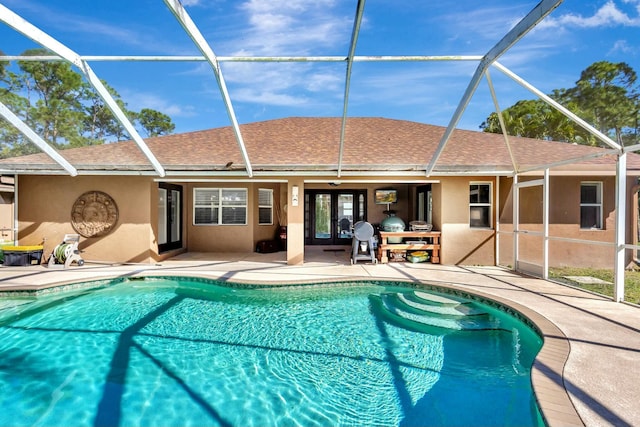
55,113
99,122
12,142
607,93
154,122
59,105
605,96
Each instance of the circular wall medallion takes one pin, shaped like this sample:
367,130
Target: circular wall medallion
94,214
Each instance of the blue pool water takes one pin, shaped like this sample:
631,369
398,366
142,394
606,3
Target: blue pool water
185,352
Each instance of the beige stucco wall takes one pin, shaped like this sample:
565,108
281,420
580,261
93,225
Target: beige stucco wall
6,217
462,244
564,222
44,213
217,238
295,228
229,238
45,204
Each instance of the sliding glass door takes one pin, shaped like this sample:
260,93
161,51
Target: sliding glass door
169,217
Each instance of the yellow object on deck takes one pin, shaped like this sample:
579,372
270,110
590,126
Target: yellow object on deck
22,248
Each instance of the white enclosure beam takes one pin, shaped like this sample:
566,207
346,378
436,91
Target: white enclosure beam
525,25
192,30
35,138
515,195
193,58
37,35
352,50
621,213
501,121
632,148
570,161
498,213
586,126
545,225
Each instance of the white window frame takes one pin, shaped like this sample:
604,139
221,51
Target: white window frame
482,204
220,205
597,204
269,206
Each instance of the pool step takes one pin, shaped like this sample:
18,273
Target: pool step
461,309
437,299
392,305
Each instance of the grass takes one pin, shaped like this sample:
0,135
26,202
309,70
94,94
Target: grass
631,281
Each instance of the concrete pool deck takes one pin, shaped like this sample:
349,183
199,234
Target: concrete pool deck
588,372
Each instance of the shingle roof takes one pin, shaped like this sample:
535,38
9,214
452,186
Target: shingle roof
299,143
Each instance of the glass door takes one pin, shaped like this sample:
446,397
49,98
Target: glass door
169,217
322,218
330,215
345,217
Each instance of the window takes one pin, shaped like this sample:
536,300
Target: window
591,205
480,205
219,206
265,206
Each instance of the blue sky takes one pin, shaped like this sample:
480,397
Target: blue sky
576,34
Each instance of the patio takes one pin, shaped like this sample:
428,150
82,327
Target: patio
602,337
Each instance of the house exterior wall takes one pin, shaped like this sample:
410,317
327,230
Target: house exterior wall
217,238
44,216
462,244
230,238
564,222
266,232
45,204
6,217
295,228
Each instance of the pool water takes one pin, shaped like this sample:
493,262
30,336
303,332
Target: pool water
184,352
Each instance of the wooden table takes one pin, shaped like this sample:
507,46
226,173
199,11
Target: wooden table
430,240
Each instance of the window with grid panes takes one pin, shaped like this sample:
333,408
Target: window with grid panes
591,205
220,206
480,205
265,206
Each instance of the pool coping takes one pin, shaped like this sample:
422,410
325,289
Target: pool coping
547,375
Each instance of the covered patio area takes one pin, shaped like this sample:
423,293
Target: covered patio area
586,373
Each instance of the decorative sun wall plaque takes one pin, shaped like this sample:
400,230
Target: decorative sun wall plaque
94,214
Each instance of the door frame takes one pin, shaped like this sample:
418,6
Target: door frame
171,244
524,266
310,215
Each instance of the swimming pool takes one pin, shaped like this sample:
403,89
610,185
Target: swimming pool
181,351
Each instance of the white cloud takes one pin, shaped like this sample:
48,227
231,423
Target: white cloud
288,28
137,101
267,97
425,85
282,83
624,47
291,27
485,23
608,15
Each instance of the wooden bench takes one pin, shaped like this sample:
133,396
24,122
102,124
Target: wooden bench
432,244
